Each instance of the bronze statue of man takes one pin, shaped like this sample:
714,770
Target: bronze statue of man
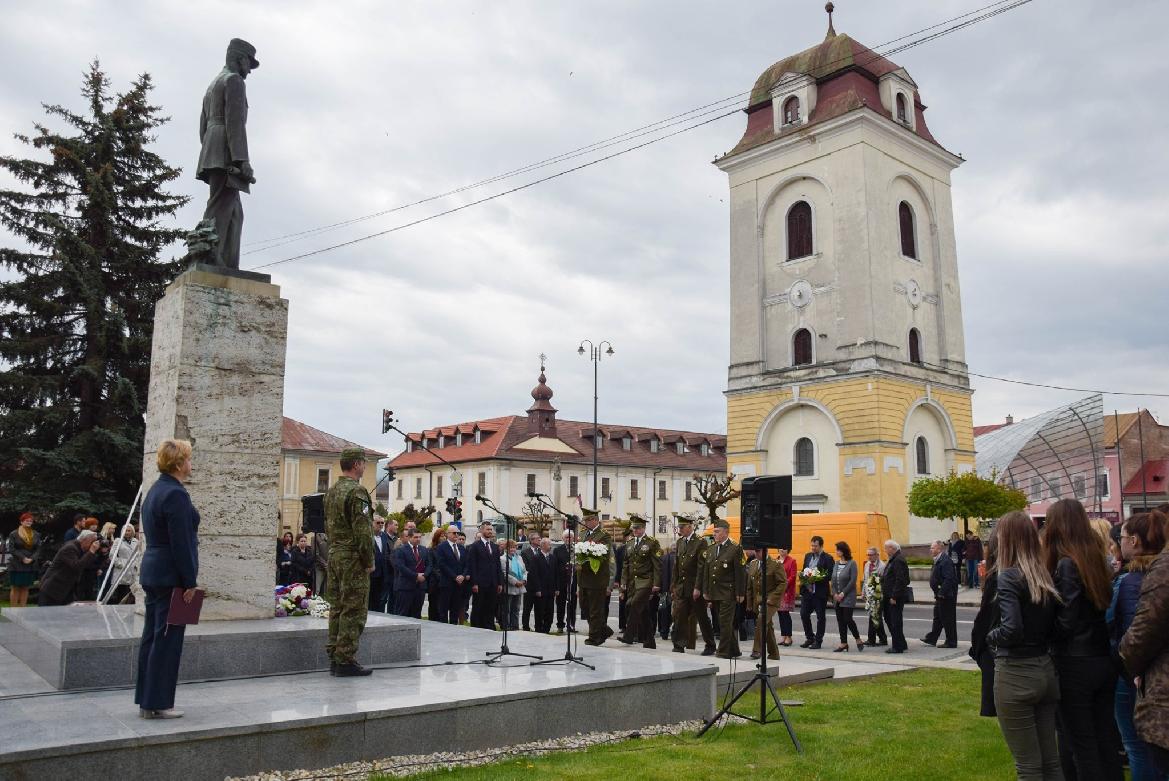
223,158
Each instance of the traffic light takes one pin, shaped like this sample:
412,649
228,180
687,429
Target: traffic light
387,422
457,512
450,506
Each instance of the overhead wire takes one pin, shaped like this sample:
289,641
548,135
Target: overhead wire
956,23
1046,385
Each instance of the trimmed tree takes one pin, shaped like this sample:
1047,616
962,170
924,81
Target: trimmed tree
77,313
715,491
963,496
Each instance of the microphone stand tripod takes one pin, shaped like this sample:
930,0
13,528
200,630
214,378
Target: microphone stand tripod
510,521
569,626
761,677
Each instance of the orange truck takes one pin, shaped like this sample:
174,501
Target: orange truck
859,529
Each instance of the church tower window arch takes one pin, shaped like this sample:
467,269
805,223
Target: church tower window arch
802,348
791,110
915,346
800,231
921,453
804,458
907,223
902,113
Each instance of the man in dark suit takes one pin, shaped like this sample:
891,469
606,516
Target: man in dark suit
451,564
411,570
814,596
529,556
486,577
383,571
542,584
944,582
565,586
60,580
894,585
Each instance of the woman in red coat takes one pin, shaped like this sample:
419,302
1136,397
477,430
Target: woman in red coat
788,604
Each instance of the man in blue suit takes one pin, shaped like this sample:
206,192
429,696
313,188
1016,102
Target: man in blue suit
380,579
486,577
411,569
451,562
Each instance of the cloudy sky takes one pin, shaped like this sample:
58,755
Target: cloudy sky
1062,210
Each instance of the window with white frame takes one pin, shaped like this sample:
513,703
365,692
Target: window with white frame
599,441
322,479
704,449
400,488
661,489
458,439
531,483
1078,486
438,486
922,456
291,476
417,487
1102,485
633,490
689,491
409,446
654,445
478,437
805,458
482,486
680,446
1036,489
574,486
626,443
605,488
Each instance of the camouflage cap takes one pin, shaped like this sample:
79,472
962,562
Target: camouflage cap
352,454
588,512
636,522
719,523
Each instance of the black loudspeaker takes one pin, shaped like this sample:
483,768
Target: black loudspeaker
766,514
312,513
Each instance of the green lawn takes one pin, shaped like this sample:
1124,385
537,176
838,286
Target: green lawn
921,724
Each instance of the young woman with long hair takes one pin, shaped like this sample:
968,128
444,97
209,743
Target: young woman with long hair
1026,691
1074,555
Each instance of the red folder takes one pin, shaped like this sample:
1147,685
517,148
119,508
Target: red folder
181,613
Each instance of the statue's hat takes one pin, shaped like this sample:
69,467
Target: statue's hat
240,46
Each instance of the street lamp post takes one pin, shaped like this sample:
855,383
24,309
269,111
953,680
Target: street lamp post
595,356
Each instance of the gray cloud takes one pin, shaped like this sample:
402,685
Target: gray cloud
363,106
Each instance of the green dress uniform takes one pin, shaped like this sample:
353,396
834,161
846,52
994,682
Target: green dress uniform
349,523
776,584
723,583
641,574
593,586
687,610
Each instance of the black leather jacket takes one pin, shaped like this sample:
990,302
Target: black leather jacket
1024,629
1081,628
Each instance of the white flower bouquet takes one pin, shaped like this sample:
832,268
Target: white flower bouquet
592,554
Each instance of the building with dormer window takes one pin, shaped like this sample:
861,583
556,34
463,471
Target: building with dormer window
640,469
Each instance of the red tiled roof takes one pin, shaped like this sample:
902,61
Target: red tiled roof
980,430
295,435
501,435
1153,477
846,74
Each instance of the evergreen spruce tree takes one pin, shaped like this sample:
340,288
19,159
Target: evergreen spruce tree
77,303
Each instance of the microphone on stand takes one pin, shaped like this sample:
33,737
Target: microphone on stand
480,498
534,495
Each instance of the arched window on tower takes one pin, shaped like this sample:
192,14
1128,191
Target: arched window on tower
791,110
922,456
804,458
908,241
902,116
802,347
799,230
914,346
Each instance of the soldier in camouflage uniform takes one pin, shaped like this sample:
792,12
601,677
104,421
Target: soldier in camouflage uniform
721,575
641,579
349,523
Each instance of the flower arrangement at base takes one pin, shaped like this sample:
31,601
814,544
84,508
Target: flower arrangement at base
872,591
592,554
294,599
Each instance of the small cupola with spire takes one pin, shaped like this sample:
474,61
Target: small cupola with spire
542,415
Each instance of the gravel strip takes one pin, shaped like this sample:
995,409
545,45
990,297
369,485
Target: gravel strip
451,760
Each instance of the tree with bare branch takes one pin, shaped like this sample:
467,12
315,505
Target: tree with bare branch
715,491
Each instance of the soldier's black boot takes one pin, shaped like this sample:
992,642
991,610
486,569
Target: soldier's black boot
352,670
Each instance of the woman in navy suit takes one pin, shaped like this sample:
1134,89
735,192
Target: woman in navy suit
169,523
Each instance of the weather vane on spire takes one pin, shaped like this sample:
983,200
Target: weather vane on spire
830,8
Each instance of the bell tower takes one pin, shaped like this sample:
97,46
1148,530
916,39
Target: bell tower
847,358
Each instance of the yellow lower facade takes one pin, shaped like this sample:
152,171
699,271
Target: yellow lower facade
875,418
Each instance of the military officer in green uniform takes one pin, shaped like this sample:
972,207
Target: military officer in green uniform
723,585
641,578
596,587
349,523
688,606
776,584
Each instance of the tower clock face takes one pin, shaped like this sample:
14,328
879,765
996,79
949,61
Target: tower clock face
913,293
800,293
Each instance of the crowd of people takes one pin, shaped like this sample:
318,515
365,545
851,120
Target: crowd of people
1072,639
74,571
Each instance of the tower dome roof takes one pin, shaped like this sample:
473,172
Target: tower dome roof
541,393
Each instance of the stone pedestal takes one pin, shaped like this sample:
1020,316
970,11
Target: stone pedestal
217,379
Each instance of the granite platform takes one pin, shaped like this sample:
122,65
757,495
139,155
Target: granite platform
83,646
447,700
